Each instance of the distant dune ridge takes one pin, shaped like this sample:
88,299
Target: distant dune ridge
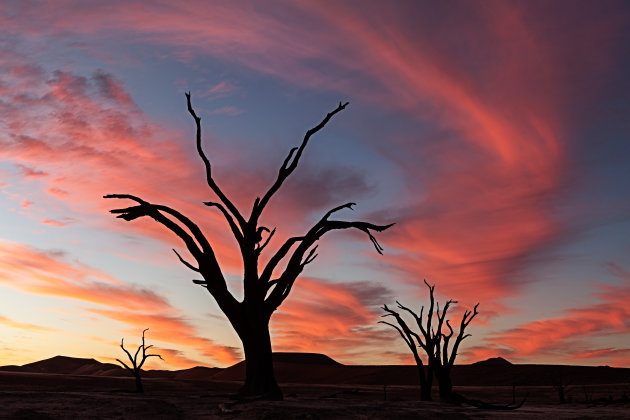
493,361
315,368
69,366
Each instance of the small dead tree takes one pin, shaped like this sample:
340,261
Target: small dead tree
137,366
560,384
434,341
265,288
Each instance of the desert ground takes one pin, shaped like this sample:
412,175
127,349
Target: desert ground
103,392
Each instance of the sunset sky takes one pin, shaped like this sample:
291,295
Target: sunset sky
496,135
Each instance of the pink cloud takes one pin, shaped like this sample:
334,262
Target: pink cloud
30,172
567,336
112,89
58,223
220,90
338,319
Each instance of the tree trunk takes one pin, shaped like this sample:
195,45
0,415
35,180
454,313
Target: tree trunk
139,387
260,381
425,385
445,384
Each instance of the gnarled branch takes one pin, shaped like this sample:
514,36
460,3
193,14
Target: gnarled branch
155,211
289,165
208,265
233,227
297,261
211,183
186,263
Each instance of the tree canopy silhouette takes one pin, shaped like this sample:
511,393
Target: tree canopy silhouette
266,289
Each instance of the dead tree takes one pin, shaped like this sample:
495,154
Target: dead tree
264,290
433,340
414,342
137,366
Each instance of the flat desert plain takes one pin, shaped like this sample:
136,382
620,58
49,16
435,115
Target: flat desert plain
102,391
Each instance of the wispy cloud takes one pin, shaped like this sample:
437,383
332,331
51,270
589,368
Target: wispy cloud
58,223
220,90
22,325
568,336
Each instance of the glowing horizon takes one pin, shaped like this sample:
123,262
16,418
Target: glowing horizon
493,135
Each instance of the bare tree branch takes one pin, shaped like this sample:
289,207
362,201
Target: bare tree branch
154,211
288,166
410,345
186,263
278,256
213,185
238,234
295,264
207,263
466,319
264,244
311,256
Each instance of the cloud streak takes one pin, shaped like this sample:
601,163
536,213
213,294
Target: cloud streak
568,336
46,273
338,319
22,325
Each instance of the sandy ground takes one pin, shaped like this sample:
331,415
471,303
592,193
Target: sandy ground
49,396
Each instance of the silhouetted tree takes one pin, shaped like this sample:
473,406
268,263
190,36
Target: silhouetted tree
264,291
137,366
560,384
433,340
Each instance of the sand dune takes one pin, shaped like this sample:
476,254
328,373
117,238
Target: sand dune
314,368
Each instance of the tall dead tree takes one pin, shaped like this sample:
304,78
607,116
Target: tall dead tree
434,341
264,290
136,366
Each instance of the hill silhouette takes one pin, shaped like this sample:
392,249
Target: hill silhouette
493,361
68,366
315,368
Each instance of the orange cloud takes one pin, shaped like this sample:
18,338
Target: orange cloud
338,319
612,356
45,273
22,326
173,329
173,358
